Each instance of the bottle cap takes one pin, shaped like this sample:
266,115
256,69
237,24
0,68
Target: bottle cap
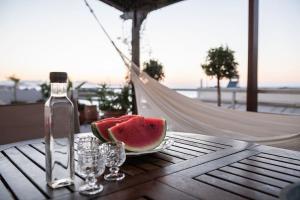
58,77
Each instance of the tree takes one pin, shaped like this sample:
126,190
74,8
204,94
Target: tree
45,90
220,63
154,69
16,81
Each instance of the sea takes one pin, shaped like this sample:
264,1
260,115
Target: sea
35,85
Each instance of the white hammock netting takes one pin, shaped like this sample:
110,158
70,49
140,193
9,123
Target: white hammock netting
192,115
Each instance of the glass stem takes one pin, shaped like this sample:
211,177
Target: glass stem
90,180
114,170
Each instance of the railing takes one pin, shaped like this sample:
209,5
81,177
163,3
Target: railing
288,97
285,97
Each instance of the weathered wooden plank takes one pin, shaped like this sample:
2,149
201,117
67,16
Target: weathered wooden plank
33,172
17,182
171,161
279,158
266,172
177,154
275,162
152,190
271,167
271,190
141,163
234,188
39,146
193,148
198,189
215,164
203,142
186,151
277,151
212,139
147,166
177,168
34,155
39,159
7,146
255,176
194,144
5,194
156,161
167,157
131,170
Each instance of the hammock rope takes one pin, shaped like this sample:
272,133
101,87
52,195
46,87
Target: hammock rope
123,57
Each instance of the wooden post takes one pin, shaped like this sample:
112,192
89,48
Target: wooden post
135,40
138,18
233,101
252,56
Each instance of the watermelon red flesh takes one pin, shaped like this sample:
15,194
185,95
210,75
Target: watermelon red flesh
140,134
123,117
127,117
100,128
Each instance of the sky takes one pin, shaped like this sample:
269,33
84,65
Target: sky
40,36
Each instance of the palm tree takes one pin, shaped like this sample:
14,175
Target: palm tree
16,83
220,62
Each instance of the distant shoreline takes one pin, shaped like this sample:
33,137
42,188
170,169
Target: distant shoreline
34,84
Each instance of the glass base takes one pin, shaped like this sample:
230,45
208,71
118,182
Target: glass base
60,183
88,190
114,177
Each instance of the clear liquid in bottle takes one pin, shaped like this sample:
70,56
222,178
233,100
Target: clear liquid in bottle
59,133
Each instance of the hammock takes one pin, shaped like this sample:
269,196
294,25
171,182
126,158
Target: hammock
191,115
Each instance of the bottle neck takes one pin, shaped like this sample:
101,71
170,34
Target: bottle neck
58,89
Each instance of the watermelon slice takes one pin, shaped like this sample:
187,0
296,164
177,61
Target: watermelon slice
139,134
100,128
127,117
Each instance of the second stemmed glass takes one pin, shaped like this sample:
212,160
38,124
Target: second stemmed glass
115,157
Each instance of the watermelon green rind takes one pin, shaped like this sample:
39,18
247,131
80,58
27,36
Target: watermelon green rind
96,132
146,147
102,135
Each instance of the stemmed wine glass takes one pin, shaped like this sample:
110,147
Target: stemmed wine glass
91,163
115,157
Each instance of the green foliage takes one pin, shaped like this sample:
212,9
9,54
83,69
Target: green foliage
69,85
154,69
109,100
45,90
220,62
125,99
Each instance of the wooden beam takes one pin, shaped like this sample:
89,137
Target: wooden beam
138,18
252,55
135,40
131,5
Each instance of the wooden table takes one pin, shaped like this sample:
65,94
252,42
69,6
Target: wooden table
195,167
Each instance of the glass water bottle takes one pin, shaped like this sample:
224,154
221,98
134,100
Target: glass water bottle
59,133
